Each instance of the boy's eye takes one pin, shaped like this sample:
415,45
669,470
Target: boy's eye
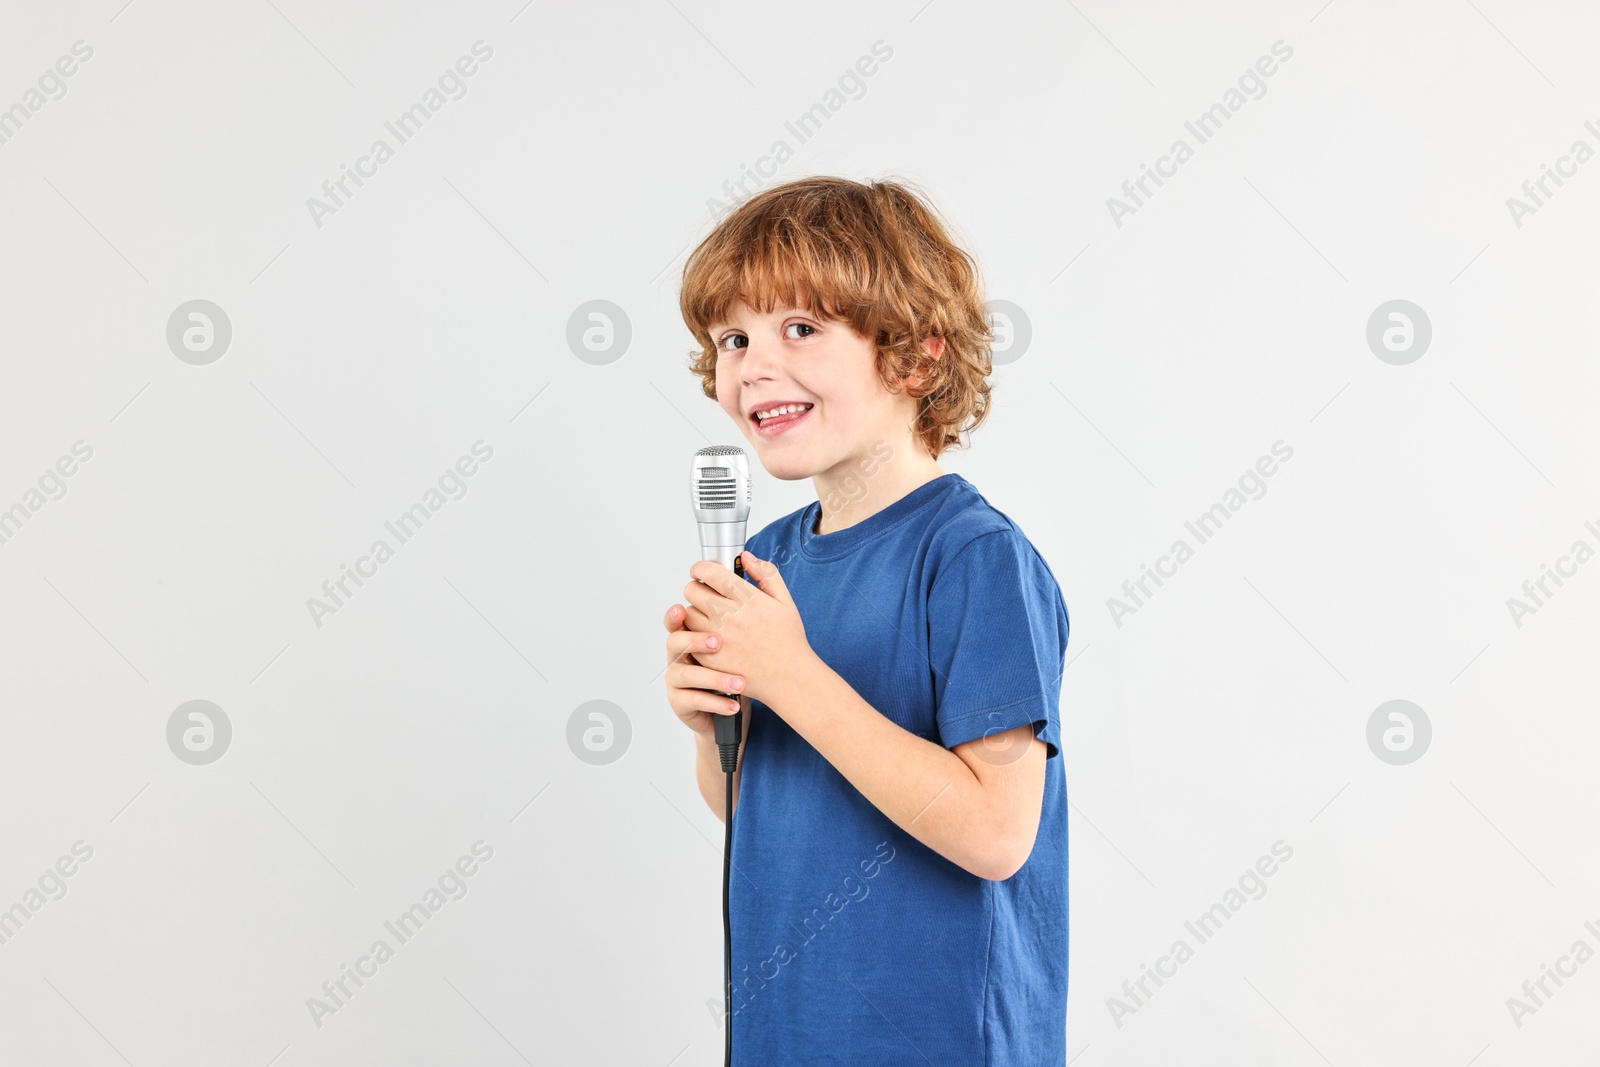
723,344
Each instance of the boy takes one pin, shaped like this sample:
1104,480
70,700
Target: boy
899,893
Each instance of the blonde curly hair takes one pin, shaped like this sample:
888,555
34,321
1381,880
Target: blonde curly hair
872,255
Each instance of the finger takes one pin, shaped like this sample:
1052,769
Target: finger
711,573
700,622
716,576
685,641
693,676
676,621
685,700
765,572
707,600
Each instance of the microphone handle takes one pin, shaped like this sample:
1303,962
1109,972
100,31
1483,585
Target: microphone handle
730,556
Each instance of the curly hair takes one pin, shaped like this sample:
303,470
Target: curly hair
872,255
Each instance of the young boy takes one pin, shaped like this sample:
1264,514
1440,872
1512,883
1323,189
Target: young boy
899,893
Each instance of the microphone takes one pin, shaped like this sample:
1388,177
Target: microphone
719,491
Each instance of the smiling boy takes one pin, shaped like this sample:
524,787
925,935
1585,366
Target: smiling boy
898,645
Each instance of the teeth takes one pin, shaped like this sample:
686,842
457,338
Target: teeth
784,410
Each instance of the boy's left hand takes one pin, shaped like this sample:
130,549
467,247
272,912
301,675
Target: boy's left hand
762,634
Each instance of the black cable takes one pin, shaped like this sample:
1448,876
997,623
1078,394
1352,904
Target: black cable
727,731
727,929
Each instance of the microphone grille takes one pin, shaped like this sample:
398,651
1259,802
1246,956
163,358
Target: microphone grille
720,487
716,487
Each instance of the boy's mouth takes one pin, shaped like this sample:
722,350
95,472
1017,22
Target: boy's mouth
772,421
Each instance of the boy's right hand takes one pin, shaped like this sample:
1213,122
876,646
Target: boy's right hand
696,692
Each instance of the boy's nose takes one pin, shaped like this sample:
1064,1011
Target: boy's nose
759,361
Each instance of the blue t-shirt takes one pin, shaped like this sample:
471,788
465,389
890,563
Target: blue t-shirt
853,942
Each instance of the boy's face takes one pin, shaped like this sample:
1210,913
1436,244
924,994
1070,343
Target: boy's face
792,356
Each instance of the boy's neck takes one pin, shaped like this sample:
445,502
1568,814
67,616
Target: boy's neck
850,496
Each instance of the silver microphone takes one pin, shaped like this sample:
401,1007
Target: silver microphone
719,491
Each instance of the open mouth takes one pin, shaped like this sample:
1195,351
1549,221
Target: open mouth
777,420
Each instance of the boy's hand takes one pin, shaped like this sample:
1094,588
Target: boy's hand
761,631
695,692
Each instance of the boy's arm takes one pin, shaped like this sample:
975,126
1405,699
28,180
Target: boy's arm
977,805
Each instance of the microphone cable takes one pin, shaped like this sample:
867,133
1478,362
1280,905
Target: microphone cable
727,929
728,728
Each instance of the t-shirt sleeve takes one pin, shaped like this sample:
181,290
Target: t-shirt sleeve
997,639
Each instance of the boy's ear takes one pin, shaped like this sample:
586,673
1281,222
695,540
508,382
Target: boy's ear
934,346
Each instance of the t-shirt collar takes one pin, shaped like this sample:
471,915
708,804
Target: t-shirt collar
840,543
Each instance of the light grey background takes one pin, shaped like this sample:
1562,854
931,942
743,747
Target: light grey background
431,311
